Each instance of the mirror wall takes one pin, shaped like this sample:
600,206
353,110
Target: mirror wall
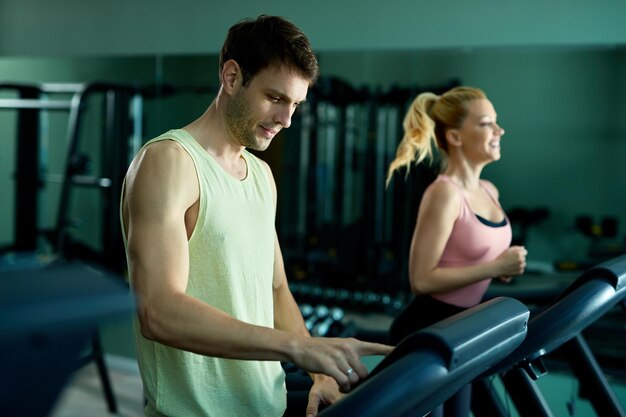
563,109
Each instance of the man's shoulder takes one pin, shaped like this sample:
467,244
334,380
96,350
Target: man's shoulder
164,149
170,138
162,153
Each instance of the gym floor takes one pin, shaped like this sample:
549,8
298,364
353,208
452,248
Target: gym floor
83,395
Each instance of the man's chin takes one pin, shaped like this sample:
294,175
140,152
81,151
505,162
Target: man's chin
261,145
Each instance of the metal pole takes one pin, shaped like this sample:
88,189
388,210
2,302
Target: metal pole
525,394
593,383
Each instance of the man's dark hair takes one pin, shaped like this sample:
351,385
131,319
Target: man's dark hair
255,44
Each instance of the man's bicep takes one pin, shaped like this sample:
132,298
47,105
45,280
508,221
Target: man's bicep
157,201
158,256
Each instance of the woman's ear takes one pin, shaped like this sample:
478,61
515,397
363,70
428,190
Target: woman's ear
453,138
230,75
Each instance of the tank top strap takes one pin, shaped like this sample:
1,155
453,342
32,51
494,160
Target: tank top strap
490,193
464,206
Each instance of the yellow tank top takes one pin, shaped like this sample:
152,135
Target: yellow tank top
231,262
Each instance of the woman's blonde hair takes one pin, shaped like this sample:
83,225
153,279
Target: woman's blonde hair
426,122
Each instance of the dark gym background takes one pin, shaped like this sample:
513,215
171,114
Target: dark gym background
556,73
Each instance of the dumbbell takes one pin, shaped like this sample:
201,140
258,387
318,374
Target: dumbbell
331,322
320,312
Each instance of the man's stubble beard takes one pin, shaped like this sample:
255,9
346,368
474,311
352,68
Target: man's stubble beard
241,125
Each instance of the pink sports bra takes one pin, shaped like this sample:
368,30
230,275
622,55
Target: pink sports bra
473,240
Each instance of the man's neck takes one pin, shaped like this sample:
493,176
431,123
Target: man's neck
211,134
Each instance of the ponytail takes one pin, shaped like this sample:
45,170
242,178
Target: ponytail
419,135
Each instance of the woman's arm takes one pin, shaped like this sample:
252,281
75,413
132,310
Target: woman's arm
438,211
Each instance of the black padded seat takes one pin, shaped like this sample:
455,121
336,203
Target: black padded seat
48,317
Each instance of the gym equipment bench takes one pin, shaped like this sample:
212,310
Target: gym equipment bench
48,317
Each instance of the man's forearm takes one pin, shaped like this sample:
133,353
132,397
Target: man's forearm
186,323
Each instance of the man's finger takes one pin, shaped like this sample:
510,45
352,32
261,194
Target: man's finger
341,378
359,371
369,348
313,404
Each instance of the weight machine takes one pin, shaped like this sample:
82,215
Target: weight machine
120,137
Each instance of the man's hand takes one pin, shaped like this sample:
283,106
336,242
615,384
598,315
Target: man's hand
336,357
324,391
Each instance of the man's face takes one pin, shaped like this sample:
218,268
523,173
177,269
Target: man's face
257,112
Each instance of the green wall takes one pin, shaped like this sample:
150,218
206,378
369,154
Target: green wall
131,27
563,110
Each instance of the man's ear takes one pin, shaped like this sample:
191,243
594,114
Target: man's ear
231,75
453,138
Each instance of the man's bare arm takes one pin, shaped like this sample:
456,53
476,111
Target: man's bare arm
159,191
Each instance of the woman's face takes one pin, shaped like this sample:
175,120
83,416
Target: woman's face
480,134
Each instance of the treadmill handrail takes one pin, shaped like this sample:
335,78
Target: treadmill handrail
429,366
613,270
454,337
587,299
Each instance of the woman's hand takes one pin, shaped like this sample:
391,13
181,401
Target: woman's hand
511,262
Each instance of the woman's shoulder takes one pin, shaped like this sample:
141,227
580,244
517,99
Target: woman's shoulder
443,185
442,191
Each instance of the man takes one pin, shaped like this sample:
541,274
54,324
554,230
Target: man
215,314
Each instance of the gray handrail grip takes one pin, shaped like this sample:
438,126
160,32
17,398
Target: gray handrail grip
430,365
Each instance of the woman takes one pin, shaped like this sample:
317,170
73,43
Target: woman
462,237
